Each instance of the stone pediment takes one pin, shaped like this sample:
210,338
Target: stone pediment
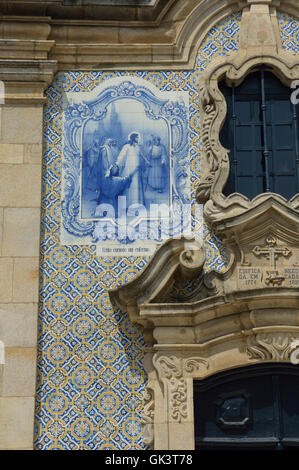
245,315
263,250
175,261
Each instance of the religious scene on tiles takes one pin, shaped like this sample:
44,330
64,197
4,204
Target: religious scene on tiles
125,160
91,378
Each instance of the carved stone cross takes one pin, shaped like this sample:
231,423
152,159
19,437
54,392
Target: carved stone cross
271,251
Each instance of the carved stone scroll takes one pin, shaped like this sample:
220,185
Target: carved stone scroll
271,346
174,371
147,417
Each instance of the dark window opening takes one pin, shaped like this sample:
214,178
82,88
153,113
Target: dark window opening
255,407
262,133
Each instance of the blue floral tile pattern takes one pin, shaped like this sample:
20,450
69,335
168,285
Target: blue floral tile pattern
90,375
289,32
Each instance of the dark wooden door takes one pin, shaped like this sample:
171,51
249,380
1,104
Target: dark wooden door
251,408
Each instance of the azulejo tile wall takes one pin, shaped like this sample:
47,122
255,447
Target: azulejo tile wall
289,32
90,375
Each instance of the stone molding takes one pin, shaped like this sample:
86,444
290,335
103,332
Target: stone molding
183,255
35,46
170,41
260,43
25,66
246,314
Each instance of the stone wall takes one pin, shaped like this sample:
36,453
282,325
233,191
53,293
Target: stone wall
73,409
20,201
91,377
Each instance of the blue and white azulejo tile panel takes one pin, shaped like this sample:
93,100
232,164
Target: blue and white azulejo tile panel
90,379
125,166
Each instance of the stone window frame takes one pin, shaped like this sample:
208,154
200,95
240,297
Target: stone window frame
260,45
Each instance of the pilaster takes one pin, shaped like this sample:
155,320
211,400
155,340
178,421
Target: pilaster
25,73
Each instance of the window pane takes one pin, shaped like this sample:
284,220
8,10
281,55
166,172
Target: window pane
280,110
283,137
248,134
285,185
243,111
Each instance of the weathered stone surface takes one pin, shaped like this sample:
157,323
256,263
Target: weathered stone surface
25,280
20,185
22,124
11,153
18,324
6,273
19,373
16,424
1,227
21,232
33,153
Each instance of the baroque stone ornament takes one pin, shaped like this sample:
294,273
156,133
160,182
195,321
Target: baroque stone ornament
271,251
226,320
271,346
260,43
177,370
294,357
147,417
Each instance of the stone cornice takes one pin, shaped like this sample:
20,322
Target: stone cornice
169,40
87,10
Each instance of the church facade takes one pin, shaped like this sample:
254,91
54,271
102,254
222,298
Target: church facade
149,157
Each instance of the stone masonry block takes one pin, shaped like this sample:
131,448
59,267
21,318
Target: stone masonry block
22,124
18,324
19,372
6,273
11,153
20,185
25,280
16,422
21,232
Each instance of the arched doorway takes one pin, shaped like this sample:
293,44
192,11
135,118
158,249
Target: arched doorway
253,407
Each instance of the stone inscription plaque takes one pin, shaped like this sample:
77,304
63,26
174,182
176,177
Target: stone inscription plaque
291,276
252,277
249,277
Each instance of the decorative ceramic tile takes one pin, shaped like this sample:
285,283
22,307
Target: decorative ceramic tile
125,166
90,374
289,32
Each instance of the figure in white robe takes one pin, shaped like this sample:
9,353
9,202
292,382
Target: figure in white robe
130,162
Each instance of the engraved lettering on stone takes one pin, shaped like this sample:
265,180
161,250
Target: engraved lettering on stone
292,276
270,346
249,277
